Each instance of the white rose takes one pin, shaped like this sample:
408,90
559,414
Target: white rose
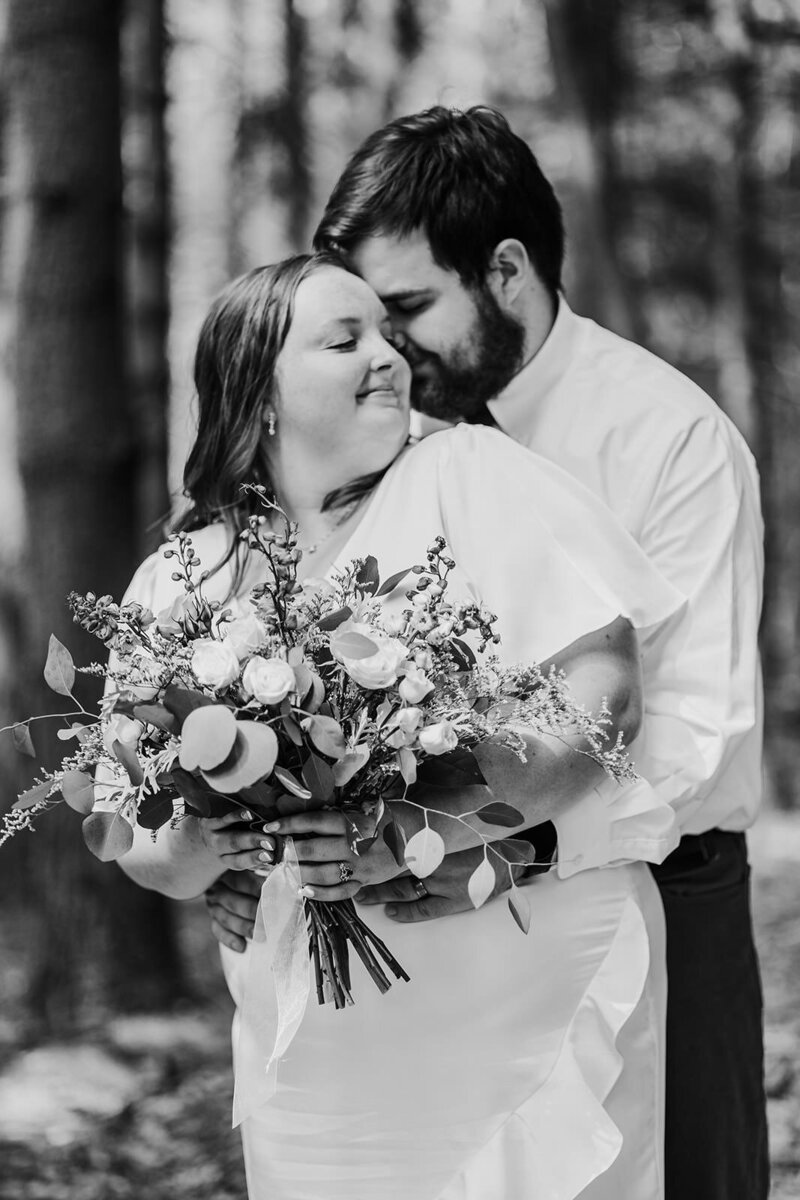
120,728
214,663
244,635
268,680
380,669
404,724
414,686
438,738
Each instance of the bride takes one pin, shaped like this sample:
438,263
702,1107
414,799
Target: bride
511,1067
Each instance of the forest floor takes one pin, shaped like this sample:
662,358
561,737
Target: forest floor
143,1108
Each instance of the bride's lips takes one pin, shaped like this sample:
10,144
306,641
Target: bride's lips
385,396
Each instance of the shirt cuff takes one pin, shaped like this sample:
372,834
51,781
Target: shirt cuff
615,823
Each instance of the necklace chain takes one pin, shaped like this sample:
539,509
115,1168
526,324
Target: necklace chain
346,512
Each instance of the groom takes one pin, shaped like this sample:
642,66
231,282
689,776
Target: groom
450,219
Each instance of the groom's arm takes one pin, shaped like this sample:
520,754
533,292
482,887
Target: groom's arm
553,777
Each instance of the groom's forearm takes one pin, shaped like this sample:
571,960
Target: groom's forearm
558,771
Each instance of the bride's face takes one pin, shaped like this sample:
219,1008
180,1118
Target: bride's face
342,387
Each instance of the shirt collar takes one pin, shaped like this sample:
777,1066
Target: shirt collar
513,409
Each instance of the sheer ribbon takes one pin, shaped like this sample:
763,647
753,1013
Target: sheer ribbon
276,987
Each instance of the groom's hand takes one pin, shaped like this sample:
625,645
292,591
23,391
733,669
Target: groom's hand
232,903
446,888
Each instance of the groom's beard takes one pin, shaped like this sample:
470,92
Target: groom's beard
457,384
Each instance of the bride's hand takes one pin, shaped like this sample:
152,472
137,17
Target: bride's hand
237,841
328,867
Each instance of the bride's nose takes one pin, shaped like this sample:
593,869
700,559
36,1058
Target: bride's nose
385,356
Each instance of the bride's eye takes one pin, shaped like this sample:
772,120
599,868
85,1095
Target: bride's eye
344,344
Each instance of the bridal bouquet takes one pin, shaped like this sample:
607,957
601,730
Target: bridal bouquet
316,698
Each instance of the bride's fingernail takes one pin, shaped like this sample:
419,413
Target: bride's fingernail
391,910
307,891
267,844
263,870
246,815
272,826
265,856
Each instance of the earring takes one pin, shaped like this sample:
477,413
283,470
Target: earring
272,423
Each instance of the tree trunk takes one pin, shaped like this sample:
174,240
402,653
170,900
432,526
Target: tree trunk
295,126
147,256
590,75
98,937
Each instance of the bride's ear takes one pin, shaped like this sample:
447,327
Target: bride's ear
510,272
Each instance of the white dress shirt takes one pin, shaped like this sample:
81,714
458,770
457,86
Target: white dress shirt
680,478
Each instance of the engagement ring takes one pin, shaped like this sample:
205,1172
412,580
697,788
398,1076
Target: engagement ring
345,872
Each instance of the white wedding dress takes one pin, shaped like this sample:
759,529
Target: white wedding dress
511,1067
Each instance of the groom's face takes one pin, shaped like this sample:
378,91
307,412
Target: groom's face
462,348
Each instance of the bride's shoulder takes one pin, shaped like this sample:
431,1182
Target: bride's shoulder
478,447
153,577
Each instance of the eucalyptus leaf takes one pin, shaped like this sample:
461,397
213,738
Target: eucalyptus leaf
252,759
352,645
287,780
392,582
76,730
303,679
200,798
481,883
424,852
408,765
318,777
292,730
182,701
156,810
21,737
520,909
157,715
395,838
515,851
501,814
326,735
108,835
129,759
77,788
59,669
335,619
34,795
456,769
350,765
207,737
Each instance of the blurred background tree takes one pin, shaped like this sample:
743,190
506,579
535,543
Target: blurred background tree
153,148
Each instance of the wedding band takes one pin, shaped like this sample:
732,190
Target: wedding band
420,889
346,872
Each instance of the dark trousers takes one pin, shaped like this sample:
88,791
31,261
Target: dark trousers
716,1130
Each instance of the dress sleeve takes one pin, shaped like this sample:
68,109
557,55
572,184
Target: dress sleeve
539,549
153,586
554,564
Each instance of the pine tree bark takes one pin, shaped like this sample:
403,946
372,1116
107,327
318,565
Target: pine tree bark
144,44
590,76
295,125
97,939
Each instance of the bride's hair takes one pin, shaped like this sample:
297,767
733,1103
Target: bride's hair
234,375
463,178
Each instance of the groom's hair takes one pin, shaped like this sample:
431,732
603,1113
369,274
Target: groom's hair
462,178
